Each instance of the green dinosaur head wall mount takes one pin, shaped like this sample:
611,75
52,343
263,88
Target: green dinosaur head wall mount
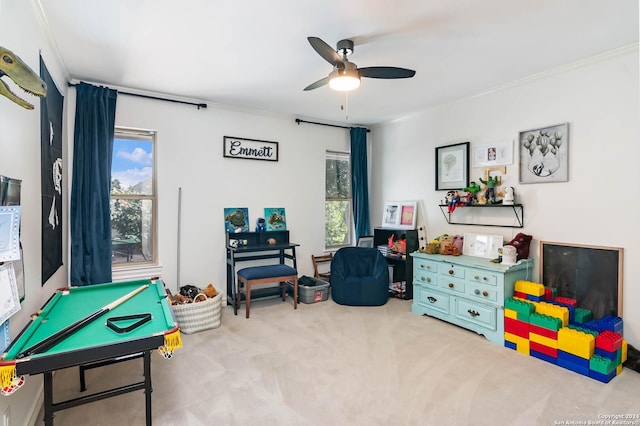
23,76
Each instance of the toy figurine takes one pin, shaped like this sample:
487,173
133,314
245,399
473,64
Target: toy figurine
490,193
454,201
472,191
509,197
261,224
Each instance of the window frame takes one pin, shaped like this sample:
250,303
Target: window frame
146,135
350,224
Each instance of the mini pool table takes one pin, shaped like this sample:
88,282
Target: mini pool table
95,342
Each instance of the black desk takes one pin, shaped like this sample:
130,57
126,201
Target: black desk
256,248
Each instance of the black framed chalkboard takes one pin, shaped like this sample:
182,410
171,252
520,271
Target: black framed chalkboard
590,274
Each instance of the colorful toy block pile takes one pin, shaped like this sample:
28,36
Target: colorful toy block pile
541,324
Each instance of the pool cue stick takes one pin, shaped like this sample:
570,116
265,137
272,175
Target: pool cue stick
59,336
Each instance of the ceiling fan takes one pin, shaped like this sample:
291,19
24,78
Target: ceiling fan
346,75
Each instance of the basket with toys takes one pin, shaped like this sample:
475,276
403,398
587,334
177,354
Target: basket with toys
197,309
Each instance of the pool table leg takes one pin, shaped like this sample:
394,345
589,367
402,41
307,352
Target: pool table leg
48,398
147,385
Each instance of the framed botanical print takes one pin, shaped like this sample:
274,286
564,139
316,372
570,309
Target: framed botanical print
452,166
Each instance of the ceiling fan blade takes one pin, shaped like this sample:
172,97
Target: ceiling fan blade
326,52
317,84
386,72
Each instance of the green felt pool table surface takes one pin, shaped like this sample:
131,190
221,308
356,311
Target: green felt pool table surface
94,341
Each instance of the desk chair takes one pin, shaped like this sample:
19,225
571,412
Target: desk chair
321,271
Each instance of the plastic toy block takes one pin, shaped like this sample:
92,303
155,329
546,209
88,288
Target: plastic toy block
604,378
542,340
591,325
566,301
529,287
510,345
574,363
522,345
584,330
619,370
550,352
535,298
550,293
510,337
520,295
551,334
624,351
546,308
609,340
606,354
610,322
547,322
519,328
602,365
523,308
576,342
543,357
570,308
510,313
580,316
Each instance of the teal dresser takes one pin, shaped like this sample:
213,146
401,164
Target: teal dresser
466,291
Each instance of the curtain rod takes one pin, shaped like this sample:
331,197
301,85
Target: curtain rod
198,105
298,120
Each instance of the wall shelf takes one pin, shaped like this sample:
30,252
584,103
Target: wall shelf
517,209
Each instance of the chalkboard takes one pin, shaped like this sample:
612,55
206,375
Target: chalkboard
590,274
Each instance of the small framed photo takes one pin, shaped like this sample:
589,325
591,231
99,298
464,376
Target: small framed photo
452,166
493,154
544,154
399,215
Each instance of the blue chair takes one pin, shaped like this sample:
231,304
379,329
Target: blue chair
359,277
248,277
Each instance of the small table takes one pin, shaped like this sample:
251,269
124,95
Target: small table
95,342
256,248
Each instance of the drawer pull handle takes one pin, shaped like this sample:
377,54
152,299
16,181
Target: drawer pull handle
450,285
432,299
485,293
476,277
476,291
473,313
428,280
450,271
484,278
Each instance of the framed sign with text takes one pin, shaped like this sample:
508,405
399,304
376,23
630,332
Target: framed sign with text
250,149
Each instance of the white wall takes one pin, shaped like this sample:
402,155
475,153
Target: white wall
597,206
20,158
190,156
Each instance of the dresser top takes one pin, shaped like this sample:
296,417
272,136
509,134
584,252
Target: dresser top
475,262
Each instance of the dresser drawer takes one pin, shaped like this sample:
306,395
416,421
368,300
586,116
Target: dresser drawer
431,299
426,278
457,285
424,265
476,313
483,277
481,292
451,270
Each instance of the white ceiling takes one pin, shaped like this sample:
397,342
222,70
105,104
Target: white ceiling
255,54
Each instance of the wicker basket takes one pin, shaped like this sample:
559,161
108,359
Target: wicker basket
198,316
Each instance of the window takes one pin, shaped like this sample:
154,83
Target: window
338,223
133,197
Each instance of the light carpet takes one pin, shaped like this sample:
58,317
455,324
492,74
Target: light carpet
326,364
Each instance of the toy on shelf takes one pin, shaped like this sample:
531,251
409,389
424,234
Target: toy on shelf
472,193
453,200
261,224
490,192
509,196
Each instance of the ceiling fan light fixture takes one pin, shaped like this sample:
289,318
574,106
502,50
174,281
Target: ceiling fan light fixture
344,80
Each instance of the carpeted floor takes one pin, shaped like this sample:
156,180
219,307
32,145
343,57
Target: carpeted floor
326,364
